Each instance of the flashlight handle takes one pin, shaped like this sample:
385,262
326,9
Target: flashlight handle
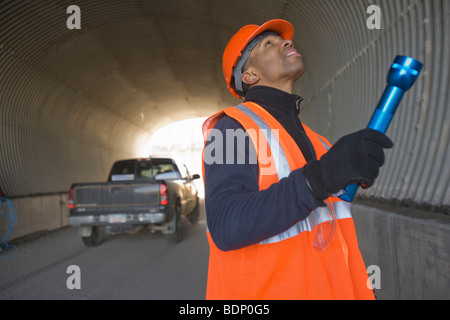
383,114
380,121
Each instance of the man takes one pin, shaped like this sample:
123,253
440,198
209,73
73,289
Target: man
275,226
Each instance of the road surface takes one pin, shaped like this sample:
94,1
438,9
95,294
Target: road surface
126,266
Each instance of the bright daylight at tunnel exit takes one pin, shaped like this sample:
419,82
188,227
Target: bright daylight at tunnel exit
182,140
219,150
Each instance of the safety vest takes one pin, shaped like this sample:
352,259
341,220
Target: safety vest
290,265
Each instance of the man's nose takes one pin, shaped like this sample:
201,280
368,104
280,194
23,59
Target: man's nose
287,43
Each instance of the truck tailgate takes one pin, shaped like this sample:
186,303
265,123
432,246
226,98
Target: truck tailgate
116,195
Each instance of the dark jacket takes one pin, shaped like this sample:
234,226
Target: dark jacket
238,214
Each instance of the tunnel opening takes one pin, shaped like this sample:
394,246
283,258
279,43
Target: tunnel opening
182,141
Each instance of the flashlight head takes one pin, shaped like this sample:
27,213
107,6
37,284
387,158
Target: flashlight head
404,72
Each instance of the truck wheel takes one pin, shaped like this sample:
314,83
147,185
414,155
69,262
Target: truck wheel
96,238
194,216
177,235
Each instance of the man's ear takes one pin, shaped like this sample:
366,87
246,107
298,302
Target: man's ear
250,77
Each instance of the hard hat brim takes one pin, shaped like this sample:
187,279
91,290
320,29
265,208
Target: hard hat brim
284,28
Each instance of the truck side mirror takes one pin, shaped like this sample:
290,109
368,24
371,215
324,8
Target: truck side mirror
195,176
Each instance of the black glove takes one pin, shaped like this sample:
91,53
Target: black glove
355,158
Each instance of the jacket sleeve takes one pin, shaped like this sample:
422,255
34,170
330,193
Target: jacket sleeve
238,214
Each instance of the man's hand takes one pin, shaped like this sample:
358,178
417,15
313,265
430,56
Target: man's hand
355,158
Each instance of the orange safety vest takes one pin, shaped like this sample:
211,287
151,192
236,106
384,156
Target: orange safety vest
287,266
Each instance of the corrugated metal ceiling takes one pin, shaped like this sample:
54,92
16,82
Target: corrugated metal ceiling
73,101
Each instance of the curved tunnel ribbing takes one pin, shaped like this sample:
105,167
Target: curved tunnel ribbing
74,101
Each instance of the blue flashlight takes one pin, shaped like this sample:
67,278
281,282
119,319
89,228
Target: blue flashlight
402,76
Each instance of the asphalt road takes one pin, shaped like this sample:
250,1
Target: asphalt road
126,266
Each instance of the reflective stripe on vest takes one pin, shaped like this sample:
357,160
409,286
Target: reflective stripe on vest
316,217
341,208
281,162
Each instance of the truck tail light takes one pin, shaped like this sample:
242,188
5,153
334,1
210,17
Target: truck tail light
163,194
70,199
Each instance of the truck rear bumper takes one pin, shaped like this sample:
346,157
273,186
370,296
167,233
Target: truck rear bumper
107,219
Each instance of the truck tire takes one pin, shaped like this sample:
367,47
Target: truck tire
194,216
96,238
177,235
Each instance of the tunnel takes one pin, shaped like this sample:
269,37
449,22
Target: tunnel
86,83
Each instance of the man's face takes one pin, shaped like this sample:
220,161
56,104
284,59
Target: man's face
275,60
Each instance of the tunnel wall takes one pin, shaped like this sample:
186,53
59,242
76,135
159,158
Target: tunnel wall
409,250
347,68
55,129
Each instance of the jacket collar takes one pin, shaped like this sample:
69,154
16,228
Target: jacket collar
275,101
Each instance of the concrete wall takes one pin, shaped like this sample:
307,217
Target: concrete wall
40,213
411,247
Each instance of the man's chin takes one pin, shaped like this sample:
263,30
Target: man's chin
300,73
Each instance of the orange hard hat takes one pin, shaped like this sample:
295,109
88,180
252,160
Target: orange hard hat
240,41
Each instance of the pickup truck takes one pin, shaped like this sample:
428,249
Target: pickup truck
154,193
